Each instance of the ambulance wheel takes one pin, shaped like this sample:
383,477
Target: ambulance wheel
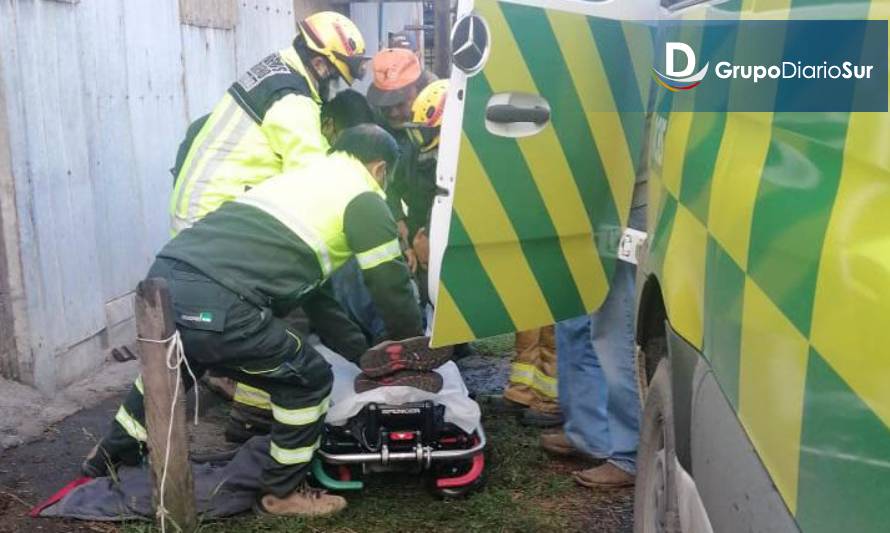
655,498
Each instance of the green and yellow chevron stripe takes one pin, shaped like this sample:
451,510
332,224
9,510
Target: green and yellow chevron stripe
536,219
769,237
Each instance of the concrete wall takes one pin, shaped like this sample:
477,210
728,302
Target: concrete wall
95,96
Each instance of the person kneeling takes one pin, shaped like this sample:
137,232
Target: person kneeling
237,270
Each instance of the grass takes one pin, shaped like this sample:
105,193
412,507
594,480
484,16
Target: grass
499,346
525,491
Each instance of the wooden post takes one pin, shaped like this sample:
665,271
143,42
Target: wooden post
442,38
154,320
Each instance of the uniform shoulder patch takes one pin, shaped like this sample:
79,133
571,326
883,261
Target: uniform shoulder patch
264,84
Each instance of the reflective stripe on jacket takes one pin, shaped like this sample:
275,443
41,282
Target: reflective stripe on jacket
276,244
267,123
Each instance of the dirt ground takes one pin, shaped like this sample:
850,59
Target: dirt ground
526,490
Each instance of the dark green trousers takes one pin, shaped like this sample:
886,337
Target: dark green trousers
222,331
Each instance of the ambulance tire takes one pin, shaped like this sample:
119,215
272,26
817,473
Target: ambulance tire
655,497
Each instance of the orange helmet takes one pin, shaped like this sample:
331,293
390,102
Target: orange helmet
339,40
426,119
396,71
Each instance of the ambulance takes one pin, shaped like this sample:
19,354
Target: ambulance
763,271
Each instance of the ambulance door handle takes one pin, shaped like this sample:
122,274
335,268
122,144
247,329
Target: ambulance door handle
509,113
516,114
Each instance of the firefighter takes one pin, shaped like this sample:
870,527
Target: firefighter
251,261
415,186
532,386
251,411
274,119
268,121
398,79
348,108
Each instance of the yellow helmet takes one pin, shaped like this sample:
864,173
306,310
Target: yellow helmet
339,40
426,115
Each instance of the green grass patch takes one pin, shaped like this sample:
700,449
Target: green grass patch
525,491
497,346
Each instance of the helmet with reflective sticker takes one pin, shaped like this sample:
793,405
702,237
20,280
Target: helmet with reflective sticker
338,39
426,115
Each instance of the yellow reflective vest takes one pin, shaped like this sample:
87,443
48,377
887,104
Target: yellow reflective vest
268,122
278,243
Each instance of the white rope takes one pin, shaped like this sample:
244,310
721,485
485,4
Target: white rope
175,361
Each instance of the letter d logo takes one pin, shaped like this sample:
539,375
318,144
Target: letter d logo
679,80
670,52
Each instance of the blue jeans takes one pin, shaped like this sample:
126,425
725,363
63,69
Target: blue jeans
597,376
354,297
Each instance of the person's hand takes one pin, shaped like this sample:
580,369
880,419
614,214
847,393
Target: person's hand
412,260
421,248
403,230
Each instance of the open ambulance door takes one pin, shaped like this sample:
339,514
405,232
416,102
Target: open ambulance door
540,142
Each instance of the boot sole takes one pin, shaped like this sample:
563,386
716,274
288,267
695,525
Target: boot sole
377,363
426,381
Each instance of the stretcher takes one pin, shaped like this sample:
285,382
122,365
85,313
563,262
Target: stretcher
401,429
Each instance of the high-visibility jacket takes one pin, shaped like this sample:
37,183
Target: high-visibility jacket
268,122
277,243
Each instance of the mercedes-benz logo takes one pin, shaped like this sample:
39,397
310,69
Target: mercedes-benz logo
470,44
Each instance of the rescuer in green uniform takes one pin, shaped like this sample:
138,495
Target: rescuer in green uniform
254,259
268,121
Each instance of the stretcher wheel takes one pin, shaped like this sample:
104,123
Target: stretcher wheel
457,479
334,477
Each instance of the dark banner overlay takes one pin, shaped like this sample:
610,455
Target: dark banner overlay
784,66
749,66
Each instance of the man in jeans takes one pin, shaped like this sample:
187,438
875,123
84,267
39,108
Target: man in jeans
598,387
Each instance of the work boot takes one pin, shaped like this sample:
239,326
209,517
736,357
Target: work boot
240,432
245,422
541,419
425,381
222,386
304,501
520,394
415,353
604,476
98,463
464,349
503,406
558,444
